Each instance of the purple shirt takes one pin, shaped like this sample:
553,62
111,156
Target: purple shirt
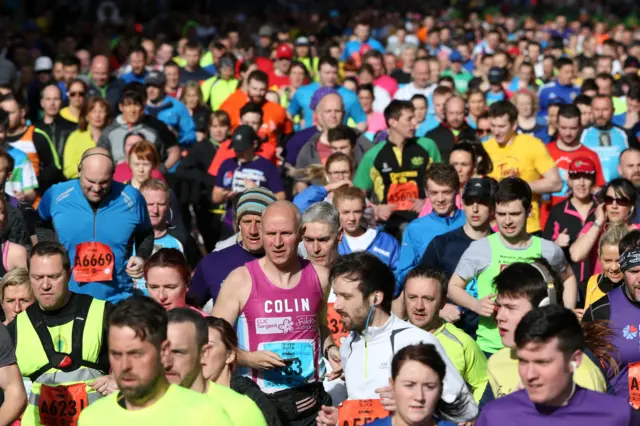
297,141
585,408
213,270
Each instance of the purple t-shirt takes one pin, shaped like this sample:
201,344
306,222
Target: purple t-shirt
585,408
213,270
297,141
232,175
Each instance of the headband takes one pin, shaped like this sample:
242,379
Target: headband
630,259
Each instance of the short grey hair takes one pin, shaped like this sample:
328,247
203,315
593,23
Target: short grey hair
323,212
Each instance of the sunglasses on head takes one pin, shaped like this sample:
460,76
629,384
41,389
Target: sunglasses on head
74,94
622,202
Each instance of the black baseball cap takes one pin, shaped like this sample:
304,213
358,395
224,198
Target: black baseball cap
243,138
478,188
496,75
155,78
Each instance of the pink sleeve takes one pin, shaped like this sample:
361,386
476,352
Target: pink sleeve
586,228
426,209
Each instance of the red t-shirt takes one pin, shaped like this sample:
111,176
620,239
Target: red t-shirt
324,151
278,81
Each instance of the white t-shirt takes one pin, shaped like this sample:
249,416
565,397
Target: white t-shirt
362,242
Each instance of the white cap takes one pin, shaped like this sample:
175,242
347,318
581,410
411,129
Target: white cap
43,63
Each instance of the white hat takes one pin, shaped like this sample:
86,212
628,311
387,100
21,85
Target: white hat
43,63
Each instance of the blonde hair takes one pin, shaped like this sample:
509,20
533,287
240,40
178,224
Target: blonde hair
14,278
612,236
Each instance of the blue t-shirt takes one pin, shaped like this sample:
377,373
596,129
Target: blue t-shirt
554,92
388,421
302,99
355,46
608,143
430,122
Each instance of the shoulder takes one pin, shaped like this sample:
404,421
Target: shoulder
406,334
321,272
374,151
505,407
548,86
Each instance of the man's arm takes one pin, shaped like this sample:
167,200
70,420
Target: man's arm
550,182
173,155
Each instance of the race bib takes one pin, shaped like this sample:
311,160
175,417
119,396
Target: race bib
403,194
359,412
336,326
300,367
61,405
93,262
634,385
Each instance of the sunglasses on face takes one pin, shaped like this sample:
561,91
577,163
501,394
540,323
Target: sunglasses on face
622,202
482,132
74,94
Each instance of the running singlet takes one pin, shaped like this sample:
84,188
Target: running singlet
608,143
284,321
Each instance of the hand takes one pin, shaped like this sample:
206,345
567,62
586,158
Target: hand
600,216
335,362
135,267
579,313
450,313
200,136
387,398
265,360
227,194
249,184
104,385
486,306
327,416
563,239
335,185
384,211
418,204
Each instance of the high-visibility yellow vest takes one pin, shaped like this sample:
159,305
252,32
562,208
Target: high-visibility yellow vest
76,345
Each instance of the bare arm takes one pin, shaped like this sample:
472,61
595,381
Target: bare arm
228,304
550,182
15,397
458,294
581,248
570,288
220,195
17,257
173,155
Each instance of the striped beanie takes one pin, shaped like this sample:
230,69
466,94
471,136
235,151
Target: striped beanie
253,201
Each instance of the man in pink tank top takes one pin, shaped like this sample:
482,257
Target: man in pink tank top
278,304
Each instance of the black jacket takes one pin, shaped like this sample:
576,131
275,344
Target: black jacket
58,132
445,139
195,182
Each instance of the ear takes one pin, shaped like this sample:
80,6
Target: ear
165,351
204,354
340,235
575,360
231,357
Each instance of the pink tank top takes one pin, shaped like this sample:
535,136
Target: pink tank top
284,321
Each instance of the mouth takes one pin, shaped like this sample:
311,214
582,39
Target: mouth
502,331
475,218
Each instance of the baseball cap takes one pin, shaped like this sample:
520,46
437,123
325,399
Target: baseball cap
226,61
303,41
631,62
243,138
284,51
455,56
496,75
265,31
478,188
155,78
43,63
319,94
582,165
254,201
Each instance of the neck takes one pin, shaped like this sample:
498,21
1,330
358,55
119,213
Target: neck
75,111
48,119
200,384
577,202
358,232
135,183
396,139
397,420
449,213
282,273
224,379
477,233
95,132
567,146
378,318
62,304
435,324
160,231
161,387
526,120
520,240
563,398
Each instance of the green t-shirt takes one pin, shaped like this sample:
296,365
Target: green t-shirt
241,408
466,355
178,406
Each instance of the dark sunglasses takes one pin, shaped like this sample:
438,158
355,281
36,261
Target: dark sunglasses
622,202
483,132
74,94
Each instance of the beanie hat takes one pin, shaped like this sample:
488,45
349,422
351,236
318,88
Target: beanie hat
253,201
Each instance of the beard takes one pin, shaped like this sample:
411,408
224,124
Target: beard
142,389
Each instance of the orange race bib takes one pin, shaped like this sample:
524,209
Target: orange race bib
359,412
61,405
634,385
336,326
93,262
403,194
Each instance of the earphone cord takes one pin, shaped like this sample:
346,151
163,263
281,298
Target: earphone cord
366,340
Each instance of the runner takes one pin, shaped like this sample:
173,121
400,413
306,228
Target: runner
187,333
215,267
282,289
629,168
520,156
442,187
217,89
53,124
561,88
425,295
484,259
362,284
520,288
453,127
16,294
620,308
549,344
83,212
137,340
394,170
422,364
60,342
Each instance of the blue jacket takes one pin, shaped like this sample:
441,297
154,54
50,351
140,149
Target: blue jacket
384,247
130,77
302,99
308,196
175,114
417,237
352,47
554,92
609,151
122,215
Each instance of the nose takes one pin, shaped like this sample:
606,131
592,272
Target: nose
530,372
476,207
316,246
19,307
500,315
254,228
277,241
162,295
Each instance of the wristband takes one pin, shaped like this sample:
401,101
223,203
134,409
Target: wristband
326,350
596,224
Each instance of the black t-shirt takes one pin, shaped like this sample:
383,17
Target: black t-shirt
401,76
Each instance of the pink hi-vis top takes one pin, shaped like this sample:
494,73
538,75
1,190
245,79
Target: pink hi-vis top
284,321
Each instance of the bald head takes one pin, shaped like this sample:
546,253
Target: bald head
100,70
282,208
96,172
280,223
454,112
51,100
330,111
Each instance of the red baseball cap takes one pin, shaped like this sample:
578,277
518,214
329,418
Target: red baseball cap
284,51
582,165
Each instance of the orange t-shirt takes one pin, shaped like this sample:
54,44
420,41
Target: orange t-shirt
274,117
224,152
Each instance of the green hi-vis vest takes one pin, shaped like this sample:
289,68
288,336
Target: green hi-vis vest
501,256
40,350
